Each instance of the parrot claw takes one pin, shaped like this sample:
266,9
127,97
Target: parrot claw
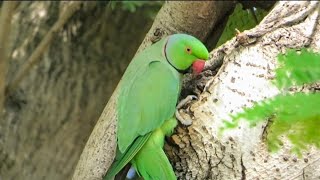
186,100
184,121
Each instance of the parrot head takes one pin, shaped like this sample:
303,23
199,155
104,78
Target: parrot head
183,51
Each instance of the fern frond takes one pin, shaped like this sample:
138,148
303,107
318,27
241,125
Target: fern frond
297,68
302,133
297,116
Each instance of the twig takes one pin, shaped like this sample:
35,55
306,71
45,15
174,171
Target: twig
64,16
5,24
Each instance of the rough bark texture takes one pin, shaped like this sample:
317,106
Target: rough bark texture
50,116
173,17
244,77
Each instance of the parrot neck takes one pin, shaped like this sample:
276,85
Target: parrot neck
166,56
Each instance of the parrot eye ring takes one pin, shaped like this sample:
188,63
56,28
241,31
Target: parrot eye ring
188,50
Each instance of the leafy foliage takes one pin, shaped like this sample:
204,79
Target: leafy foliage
297,115
297,69
241,19
132,6
128,5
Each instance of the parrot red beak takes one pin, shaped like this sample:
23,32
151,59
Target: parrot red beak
198,66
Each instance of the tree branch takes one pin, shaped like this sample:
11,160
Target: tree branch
65,15
5,24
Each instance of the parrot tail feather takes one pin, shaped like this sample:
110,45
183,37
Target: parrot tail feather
126,157
153,164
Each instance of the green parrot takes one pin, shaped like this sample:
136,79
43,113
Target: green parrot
148,95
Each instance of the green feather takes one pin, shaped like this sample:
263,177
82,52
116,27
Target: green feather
151,162
148,95
147,98
126,157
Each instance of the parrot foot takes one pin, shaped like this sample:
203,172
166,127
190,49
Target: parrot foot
186,101
184,121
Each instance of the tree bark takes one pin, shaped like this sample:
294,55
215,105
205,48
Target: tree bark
5,22
50,116
195,18
244,78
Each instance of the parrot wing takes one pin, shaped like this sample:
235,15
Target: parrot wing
146,101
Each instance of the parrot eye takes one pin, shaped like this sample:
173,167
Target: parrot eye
188,50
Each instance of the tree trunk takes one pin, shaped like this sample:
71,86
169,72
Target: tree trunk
244,77
50,116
